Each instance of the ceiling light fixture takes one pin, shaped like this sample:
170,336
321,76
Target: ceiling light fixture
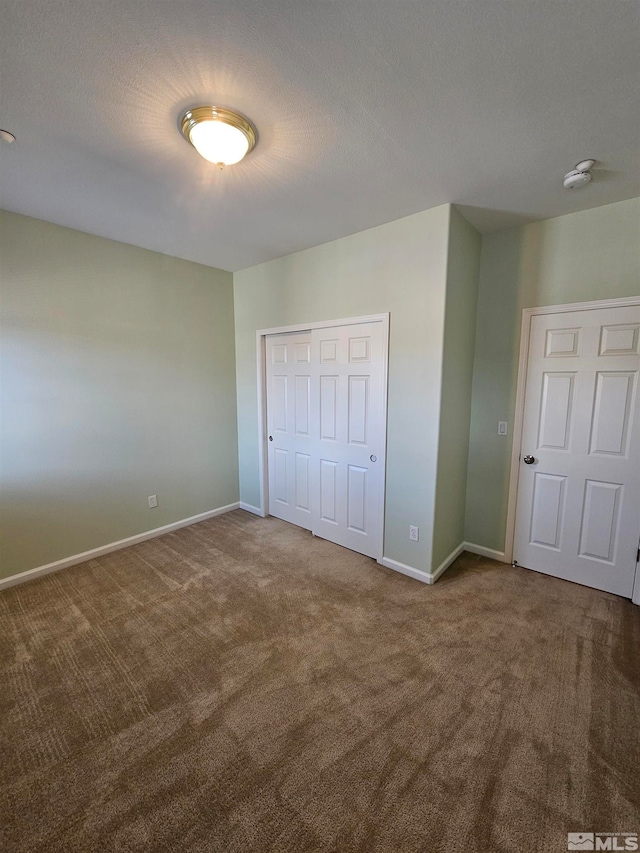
6,136
579,176
220,136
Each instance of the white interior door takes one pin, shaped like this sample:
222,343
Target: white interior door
326,419
348,413
288,377
578,507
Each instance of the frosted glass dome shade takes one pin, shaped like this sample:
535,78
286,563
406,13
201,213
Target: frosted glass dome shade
218,135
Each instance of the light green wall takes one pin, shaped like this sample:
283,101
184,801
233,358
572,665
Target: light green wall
117,370
457,372
400,268
594,254
118,381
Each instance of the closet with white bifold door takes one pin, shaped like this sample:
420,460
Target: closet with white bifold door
326,425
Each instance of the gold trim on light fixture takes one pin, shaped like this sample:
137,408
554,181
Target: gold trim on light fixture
196,115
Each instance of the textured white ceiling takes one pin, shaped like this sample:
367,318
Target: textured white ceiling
366,112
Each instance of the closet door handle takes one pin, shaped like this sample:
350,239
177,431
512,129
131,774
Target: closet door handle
270,438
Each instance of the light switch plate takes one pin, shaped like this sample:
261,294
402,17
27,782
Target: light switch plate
502,427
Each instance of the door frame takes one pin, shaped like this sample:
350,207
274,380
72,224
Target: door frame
518,422
261,365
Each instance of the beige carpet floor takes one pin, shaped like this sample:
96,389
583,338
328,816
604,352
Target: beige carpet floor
241,686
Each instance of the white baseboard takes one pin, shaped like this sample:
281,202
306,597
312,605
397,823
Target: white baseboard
485,552
417,574
444,565
250,508
432,577
30,574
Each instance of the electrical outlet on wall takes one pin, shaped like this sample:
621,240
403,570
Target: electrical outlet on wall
153,501
414,533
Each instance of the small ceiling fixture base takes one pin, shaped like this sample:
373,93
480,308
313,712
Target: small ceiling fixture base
7,136
219,135
579,176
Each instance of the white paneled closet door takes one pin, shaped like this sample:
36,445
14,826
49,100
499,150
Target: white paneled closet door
288,377
326,420
348,413
578,508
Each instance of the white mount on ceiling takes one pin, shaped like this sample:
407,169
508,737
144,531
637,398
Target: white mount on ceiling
579,176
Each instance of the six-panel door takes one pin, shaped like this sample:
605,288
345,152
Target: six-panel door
578,509
325,419
290,441
347,405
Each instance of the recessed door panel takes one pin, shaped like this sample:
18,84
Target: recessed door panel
302,404
600,520
328,408
356,498
547,510
611,413
303,498
329,351
359,349
555,410
279,354
358,409
279,399
620,340
280,475
561,343
302,353
328,491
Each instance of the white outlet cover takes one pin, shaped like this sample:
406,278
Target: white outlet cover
414,533
153,501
